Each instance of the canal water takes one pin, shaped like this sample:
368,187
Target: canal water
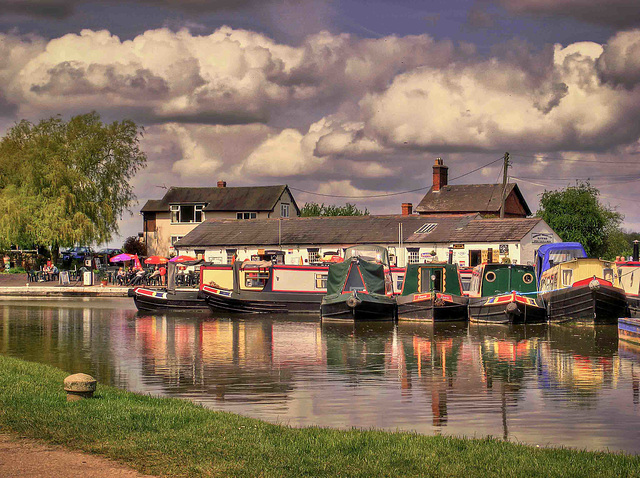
561,385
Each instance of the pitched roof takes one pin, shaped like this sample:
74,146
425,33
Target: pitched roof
496,230
253,198
468,198
356,230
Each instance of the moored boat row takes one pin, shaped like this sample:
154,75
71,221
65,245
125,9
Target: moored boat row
566,285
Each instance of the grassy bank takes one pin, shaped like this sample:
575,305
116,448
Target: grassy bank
175,437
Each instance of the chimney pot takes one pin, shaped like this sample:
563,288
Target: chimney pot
222,184
440,175
407,208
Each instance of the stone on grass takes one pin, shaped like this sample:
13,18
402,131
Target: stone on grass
79,386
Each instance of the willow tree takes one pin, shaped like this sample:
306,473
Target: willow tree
67,182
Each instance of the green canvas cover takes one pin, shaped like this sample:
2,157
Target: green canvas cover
372,273
508,277
450,278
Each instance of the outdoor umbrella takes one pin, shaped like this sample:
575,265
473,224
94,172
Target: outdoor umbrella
122,258
182,259
156,260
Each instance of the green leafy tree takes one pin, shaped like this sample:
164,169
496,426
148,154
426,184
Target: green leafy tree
66,182
576,214
311,209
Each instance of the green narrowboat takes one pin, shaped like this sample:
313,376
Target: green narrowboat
505,293
432,292
360,287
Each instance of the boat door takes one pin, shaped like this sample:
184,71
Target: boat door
431,279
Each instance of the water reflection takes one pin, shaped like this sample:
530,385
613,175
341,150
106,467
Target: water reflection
564,385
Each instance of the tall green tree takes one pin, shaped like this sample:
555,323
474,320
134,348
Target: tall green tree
576,214
67,182
314,209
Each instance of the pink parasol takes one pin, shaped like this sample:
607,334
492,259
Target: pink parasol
122,258
182,259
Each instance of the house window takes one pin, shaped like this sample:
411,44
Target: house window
321,281
246,215
230,255
284,210
314,255
414,256
175,239
186,213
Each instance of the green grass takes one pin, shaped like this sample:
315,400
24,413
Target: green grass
177,438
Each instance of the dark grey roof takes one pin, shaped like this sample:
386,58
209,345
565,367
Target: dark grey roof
495,230
468,198
254,198
353,230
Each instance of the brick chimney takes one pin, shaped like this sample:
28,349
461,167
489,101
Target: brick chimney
407,209
223,184
440,175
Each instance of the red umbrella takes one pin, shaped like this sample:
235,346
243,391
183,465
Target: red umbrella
182,259
156,260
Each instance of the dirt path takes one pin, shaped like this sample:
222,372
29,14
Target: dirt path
30,459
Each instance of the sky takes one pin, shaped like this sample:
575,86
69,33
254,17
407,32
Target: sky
343,100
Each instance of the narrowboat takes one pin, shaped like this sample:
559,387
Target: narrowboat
172,298
264,287
432,292
629,329
627,277
360,288
582,289
505,293
550,255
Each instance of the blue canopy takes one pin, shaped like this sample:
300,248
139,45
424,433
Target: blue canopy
551,254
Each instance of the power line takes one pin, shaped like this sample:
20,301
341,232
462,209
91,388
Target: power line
568,160
390,194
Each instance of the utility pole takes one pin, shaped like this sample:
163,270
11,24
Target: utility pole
505,167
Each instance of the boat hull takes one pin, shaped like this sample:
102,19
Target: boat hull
258,302
629,329
358,307
507,309
602,304
151,300
633,305
445,307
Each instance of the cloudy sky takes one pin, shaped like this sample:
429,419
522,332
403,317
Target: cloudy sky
348,99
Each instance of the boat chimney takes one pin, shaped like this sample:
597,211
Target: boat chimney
440,175
222,184
635,251
407,208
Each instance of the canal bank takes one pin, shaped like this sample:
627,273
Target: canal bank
178,438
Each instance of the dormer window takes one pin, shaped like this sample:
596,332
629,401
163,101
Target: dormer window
187,213
246,215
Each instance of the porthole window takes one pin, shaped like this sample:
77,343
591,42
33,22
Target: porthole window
527,278
490,276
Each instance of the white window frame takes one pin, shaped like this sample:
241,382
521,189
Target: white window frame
314,255
176,213
243,216
175,239
284,210
413,257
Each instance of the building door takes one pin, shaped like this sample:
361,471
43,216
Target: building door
475,258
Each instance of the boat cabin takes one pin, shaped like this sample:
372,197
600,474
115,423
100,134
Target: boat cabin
568,274
627,276
432,277
495,279
371,253
549,255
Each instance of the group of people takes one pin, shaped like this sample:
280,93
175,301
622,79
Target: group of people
133,276
49,272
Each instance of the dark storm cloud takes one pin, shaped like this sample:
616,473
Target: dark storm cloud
58,9
618,14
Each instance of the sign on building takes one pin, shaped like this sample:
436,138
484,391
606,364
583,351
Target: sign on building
541,237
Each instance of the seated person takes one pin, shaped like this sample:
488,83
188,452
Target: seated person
121,276
54,272
155,275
